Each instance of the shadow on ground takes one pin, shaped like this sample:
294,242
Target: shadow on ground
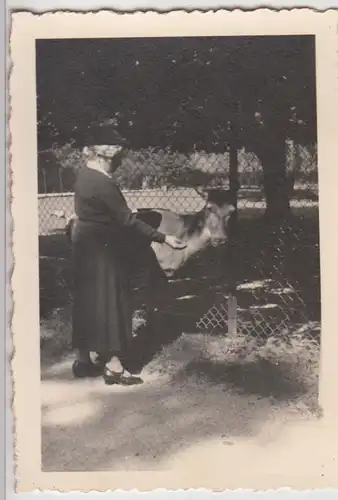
261,378
188,399
141,428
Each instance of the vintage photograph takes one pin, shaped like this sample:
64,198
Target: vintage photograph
178,242
177,191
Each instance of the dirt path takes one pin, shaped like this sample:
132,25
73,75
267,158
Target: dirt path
193,410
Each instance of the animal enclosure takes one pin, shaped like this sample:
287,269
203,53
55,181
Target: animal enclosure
270,268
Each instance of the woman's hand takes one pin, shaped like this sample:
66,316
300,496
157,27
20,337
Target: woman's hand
174,242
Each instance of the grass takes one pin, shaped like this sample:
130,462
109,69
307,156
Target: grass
55,335
278,368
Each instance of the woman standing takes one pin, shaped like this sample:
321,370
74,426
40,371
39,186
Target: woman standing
102,315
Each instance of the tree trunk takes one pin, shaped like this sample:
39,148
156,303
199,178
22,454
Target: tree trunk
271,151
275,180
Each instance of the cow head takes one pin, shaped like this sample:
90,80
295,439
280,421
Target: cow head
216,214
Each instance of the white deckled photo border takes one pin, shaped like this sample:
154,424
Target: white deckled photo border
26,28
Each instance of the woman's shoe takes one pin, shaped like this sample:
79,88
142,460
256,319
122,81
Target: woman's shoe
84,370
111,378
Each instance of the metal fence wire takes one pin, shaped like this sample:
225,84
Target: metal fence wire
266,282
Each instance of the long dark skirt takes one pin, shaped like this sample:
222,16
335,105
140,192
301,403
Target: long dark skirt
102,313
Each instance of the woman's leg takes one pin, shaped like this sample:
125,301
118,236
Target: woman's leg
83,356
111,309
115,373
84,367
114,364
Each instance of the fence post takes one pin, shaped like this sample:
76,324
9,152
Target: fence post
44,180
233,185
60,172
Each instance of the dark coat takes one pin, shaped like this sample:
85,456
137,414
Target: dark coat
104,252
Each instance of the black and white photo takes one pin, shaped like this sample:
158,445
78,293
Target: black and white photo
179,183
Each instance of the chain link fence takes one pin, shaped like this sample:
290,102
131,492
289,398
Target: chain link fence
276,265
272,273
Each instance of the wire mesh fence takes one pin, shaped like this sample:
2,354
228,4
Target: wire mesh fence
272,273
276,262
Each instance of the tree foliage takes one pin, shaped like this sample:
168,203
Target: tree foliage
177,91
189,94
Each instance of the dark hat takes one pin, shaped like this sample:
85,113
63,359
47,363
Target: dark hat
101,134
